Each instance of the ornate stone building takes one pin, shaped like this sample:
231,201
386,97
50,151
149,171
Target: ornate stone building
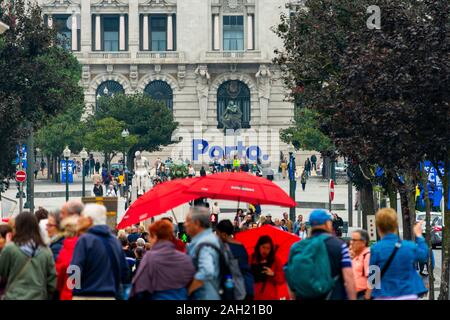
195,55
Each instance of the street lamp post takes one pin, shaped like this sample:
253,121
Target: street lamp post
83,155
66,154
125,135
292,182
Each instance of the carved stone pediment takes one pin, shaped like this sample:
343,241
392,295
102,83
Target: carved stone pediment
161,4
109,3
60,3
232,6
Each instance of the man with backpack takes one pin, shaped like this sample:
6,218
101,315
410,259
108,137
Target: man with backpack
218,275
206,283
320,267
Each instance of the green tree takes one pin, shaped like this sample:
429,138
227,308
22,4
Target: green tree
105,135
39,79
65,129
150,121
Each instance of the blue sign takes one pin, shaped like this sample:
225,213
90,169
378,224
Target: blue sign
435,185
21,149
201,146
63,171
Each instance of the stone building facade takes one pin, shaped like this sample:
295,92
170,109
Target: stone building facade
195,55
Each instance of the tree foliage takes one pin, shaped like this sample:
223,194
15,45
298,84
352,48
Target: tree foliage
105,135
38,78
150,121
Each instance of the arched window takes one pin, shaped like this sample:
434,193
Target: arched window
237,93
108,89
160,91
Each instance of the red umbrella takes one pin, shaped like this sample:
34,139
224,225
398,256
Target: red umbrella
282,241
161,198
241,186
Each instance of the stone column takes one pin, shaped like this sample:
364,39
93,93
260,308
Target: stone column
169,33
98,33
216,32
145,33
250,32
122,33
74,33
86,25
133,27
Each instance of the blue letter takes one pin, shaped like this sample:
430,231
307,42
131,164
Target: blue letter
196,150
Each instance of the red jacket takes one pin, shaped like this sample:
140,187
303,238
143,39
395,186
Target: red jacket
272,288
62,263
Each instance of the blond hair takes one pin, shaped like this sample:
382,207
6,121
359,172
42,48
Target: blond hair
69,225
386,220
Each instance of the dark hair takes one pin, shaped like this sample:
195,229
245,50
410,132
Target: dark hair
4,230
225,226
27,229
256,257
41,214
364,235
123,241
139,252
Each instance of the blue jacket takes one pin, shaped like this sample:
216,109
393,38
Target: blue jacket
207,264
96,271
401,278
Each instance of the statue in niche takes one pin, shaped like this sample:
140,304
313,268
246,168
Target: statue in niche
232,117
263,77
203,79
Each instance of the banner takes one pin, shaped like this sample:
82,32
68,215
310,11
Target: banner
435,185
63,171
22,149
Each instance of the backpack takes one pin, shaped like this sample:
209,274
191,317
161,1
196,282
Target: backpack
229,266
308,271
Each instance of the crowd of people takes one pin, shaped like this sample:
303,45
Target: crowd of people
72,254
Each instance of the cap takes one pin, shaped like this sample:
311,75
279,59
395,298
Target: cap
268,215
319,217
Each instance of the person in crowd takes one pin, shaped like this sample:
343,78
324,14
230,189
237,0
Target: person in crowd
5,235
283,167
261,221
314,162
139,254
269,220
239,217
42,218
69,225
111,192
215,209
308,167
338,254
266,269
289,223
164,272
236,164
140,242
338,225
43,165
98,189
303,232
396,260
206,282
225,232
360,251
71,208
303,179
99,255
246,223
126,247
191,171
134,235
297,224
26,263
202,171
94,166
283,225
55,233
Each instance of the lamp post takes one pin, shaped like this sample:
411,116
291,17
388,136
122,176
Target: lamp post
292,182
66,154
83,155
125,135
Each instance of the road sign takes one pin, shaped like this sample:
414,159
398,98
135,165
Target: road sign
21,176
331,188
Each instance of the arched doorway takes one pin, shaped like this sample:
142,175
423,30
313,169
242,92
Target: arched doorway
108,88
160,91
